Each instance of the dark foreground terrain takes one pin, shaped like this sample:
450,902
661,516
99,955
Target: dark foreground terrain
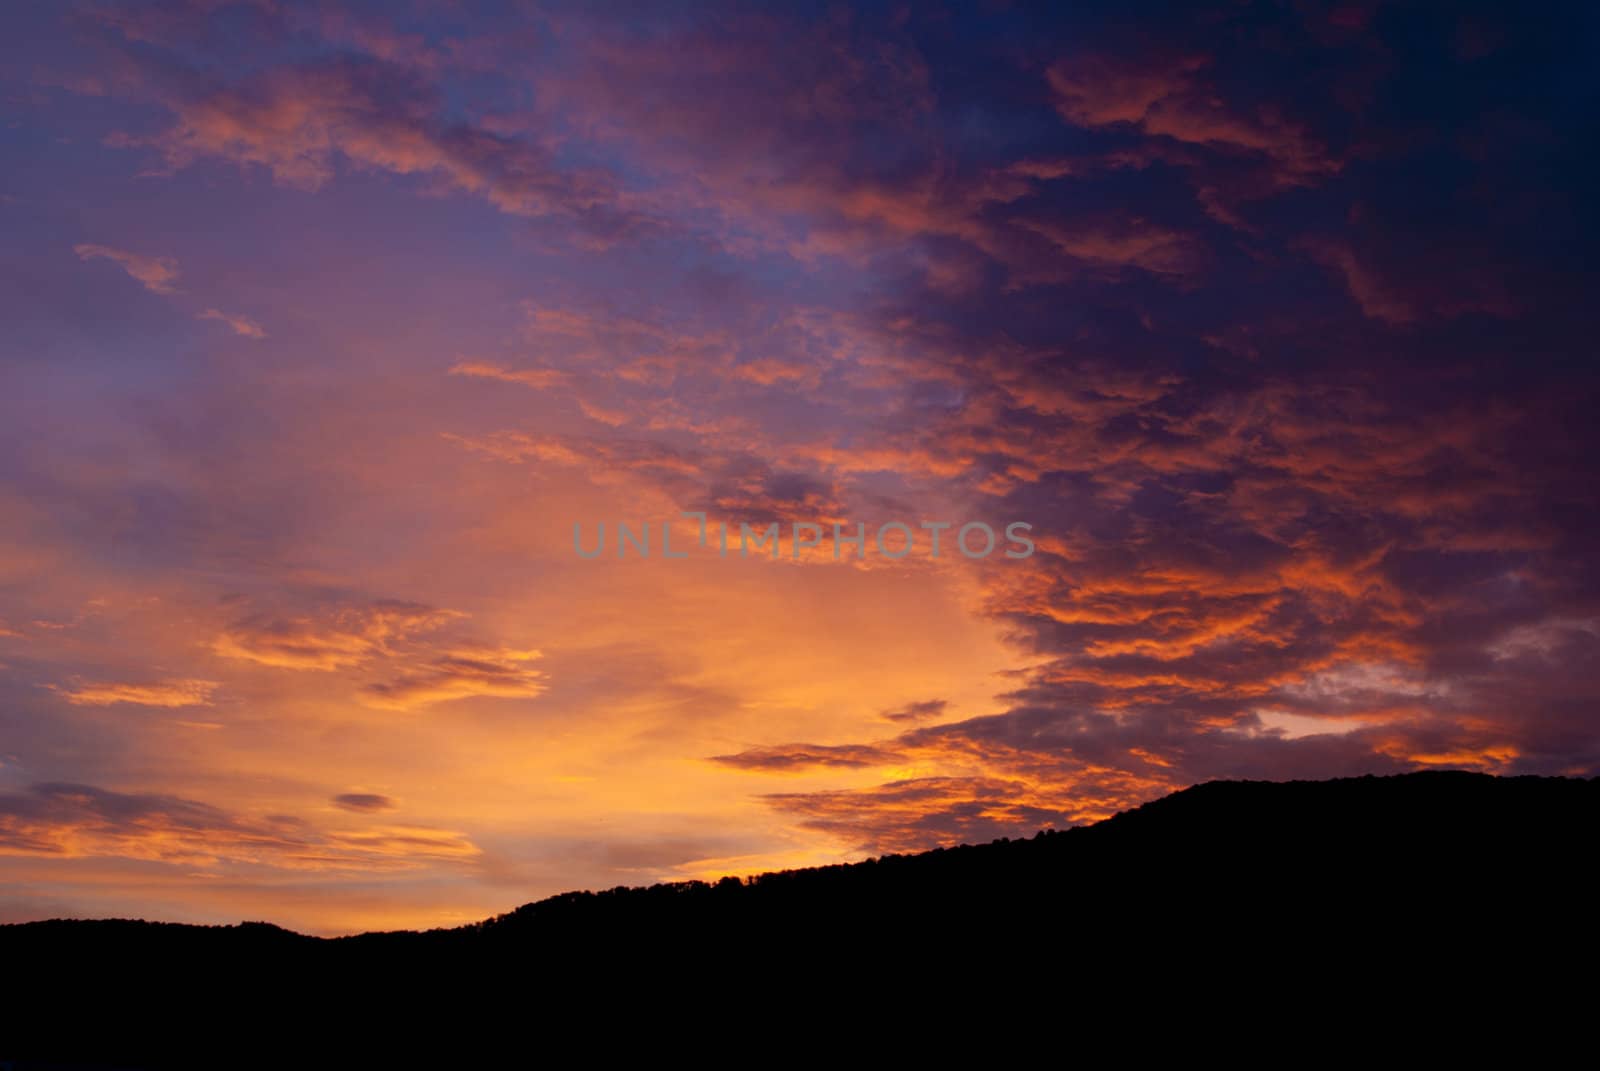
1439,911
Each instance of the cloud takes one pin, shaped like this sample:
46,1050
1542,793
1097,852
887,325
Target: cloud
1387,289
784,758
331,638
156,274
171,693
614,418
242,325
83,821
538,378
363,802
1272,579
729,485
652,459
911,815
462,673
924,710
1134,243
424,660
299,121
1173,99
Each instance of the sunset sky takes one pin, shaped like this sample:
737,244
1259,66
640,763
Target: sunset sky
322,325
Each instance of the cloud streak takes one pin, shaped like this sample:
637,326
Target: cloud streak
240,325
159,275
171,693
84,821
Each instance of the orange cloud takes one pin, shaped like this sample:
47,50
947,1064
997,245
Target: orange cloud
460,674
332,640
173,693
538,378
83,821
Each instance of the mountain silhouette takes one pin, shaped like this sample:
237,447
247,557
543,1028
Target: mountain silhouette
1348,905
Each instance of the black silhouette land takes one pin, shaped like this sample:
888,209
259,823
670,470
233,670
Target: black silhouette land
1448,911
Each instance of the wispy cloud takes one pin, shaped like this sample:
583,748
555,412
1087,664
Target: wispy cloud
924,710
538,378
329,638
170,693
242,325
85,821
363,802
791,757
159,275
459,674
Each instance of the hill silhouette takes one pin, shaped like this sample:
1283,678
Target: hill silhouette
1355,897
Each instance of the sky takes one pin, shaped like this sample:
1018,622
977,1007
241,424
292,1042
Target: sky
332,334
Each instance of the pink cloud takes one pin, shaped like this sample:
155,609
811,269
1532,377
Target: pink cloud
241,325
158,275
